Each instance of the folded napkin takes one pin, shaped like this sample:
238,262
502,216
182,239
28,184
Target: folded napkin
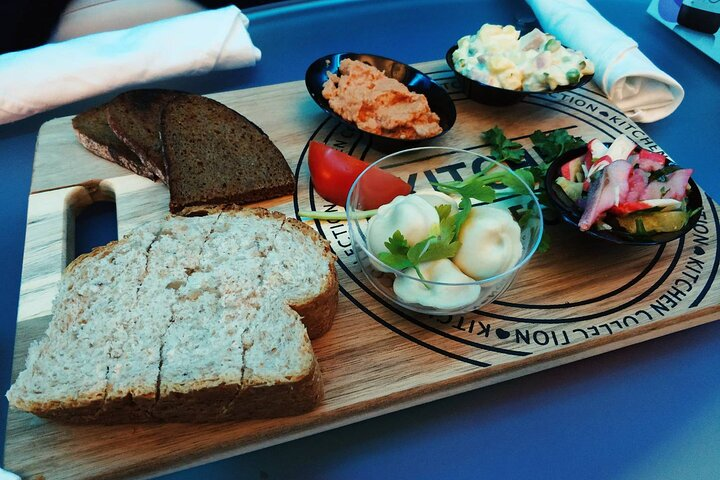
35,80
640,89
5,475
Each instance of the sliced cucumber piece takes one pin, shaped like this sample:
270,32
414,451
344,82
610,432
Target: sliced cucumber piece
648,222
572,189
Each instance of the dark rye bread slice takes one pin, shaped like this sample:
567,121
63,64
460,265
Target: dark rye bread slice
94,133
214,156
134,117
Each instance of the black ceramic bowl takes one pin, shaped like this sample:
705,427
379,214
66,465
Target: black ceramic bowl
416,81
490,95
571,213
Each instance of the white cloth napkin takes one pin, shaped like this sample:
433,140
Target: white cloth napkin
639,88
35,80
5,475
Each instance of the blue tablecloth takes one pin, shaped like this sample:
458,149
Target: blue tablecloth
647,411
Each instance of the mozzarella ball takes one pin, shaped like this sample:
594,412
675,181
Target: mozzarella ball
490,243
436,199
410,214
438,296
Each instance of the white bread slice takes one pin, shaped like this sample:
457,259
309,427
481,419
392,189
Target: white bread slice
132,385
189,320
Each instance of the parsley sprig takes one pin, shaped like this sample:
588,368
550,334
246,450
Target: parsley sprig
441,244
553,144
550,146
502,149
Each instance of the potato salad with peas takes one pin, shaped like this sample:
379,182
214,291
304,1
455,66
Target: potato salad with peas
498,56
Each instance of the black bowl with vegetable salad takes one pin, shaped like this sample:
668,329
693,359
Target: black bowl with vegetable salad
612,226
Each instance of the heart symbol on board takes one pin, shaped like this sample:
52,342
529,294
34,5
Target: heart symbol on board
604,113
698,251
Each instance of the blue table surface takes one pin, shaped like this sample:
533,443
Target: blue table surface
646,411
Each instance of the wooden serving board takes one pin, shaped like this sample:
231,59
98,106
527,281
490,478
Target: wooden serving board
583,298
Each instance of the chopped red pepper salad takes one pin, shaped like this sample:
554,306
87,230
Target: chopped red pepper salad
625,187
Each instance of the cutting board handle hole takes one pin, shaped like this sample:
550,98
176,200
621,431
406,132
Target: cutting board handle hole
91,222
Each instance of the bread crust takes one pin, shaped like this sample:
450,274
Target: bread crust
200,405
281,399
69,412
318,313
222,403
248,197
127,409
100,252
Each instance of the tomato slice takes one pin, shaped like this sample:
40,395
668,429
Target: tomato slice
333,173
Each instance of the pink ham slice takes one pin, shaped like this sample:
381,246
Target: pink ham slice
675,186
650,161
608,190
637,183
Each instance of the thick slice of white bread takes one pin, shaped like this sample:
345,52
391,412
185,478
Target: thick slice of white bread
199,318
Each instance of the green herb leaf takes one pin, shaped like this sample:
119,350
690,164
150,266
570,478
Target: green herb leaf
462,215
396,261
397,244
421,277
448,229
473,187
436,247
691,213
512,182
502,149
662,174
544,245
552,145
640,227
482,193
538,173
417,250
443,211
432,248
343,215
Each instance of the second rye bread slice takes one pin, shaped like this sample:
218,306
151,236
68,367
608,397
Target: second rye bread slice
214,155
134,116
94,133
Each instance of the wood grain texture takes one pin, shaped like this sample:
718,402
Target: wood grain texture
583,298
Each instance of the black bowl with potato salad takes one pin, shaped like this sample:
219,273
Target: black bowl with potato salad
497,66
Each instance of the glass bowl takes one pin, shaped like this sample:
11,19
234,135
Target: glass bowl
497,96
419,167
